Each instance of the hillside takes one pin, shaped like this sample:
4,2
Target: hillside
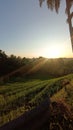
62,105
19,97
12,67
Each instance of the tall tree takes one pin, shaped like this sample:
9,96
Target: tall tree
55,4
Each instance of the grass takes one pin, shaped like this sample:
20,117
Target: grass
65,94
18,97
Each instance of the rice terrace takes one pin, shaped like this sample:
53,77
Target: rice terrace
36,65
21,92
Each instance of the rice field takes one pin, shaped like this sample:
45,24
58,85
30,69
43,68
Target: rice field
19,97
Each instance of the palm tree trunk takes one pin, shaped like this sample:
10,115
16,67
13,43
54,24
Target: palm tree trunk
69,21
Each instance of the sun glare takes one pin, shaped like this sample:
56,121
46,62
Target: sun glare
53,52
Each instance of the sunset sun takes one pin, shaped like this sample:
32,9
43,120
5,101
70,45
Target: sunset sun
53,52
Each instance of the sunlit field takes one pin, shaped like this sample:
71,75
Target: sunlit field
19,97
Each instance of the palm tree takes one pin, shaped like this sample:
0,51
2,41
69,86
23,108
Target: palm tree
55,4
52,4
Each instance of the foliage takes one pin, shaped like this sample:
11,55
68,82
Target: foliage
14,68
61,116
27,82
55,4
18,97
66,93
10,63
52,4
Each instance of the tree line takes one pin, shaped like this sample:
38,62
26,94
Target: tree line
34,67
11,63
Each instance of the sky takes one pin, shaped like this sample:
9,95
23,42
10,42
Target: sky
27,30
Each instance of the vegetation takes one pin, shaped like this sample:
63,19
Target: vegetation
12,67
25,83
18,97
55,4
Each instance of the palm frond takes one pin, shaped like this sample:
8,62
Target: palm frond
52,4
